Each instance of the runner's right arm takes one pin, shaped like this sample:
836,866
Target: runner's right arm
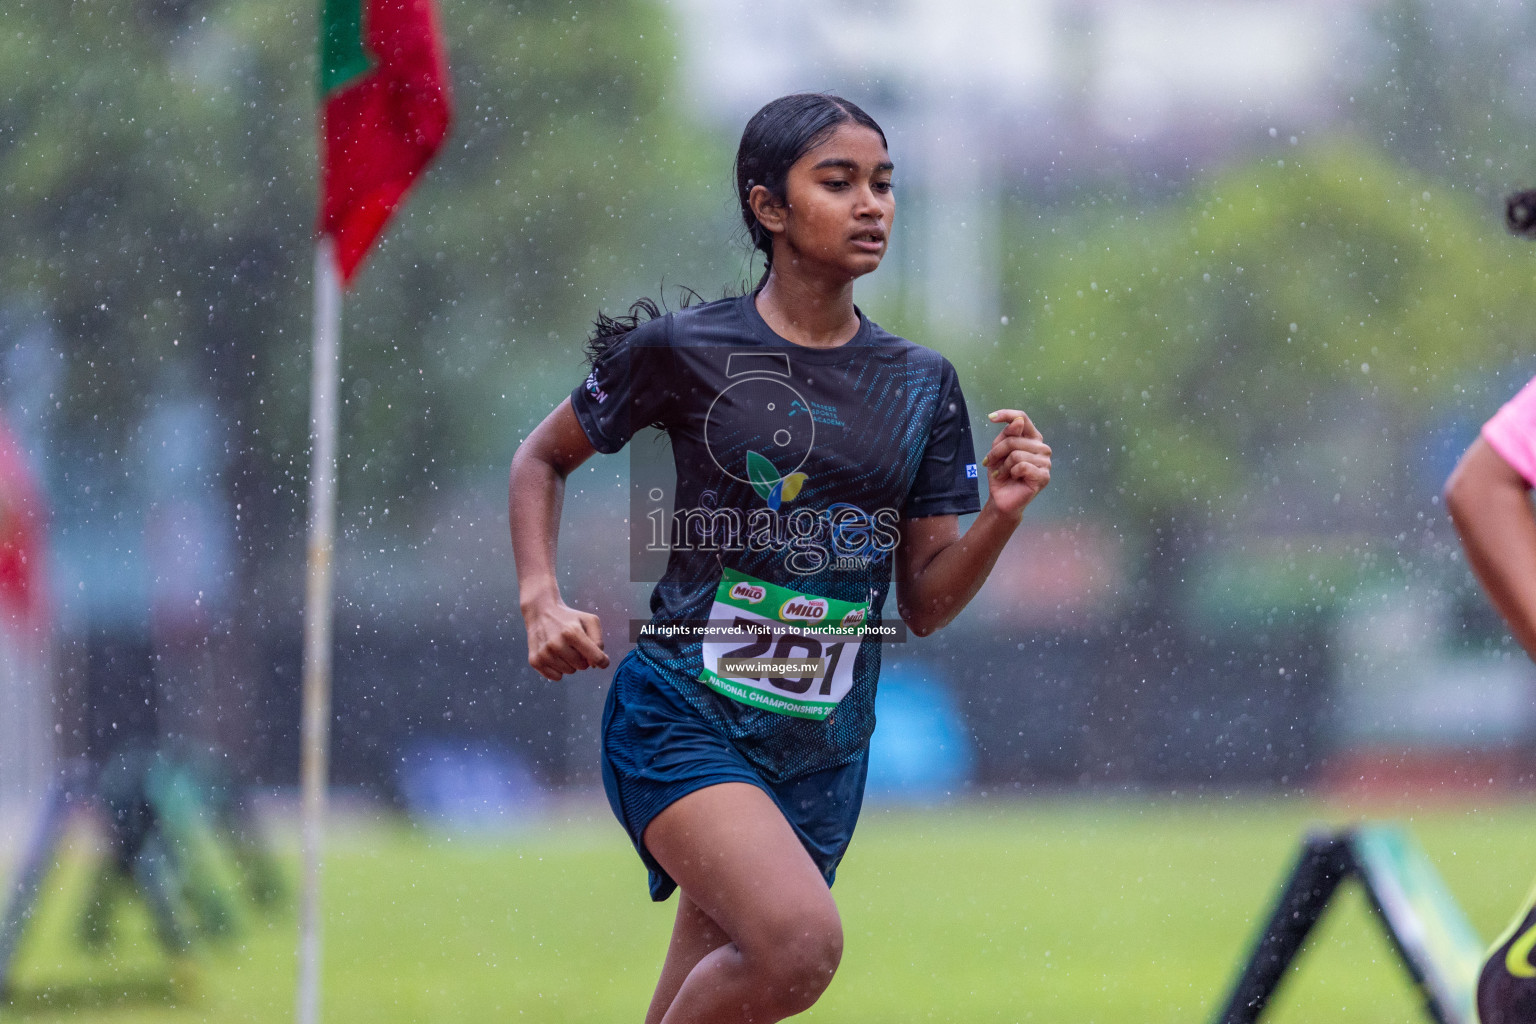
1490,503
561,640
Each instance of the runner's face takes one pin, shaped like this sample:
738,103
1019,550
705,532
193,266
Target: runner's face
840,205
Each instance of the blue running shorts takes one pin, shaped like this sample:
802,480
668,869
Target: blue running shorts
657,750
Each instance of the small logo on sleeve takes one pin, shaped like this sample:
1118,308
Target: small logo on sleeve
595,390
970,467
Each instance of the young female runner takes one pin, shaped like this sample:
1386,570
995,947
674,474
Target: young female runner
1488,496
817,456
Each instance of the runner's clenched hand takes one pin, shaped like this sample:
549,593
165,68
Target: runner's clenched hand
562,640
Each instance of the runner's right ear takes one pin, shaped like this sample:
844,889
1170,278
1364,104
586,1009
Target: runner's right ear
770,213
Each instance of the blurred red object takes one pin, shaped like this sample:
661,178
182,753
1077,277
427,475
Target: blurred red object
23,583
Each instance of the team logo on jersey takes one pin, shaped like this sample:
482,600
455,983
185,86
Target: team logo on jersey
595,389
825,415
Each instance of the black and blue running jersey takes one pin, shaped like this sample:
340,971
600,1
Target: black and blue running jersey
794,469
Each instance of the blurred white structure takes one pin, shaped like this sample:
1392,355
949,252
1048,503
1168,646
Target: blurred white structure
982,95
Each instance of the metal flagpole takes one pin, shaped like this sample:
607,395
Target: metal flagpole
315,752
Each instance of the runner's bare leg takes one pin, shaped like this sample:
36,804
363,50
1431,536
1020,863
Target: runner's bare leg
694,936
743,868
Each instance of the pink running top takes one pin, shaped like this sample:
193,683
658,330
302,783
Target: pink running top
1512,432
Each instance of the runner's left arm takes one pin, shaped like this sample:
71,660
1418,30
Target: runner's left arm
938,570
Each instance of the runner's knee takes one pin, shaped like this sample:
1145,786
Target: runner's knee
795,957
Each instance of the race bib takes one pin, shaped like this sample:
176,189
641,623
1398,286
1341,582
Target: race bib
781,650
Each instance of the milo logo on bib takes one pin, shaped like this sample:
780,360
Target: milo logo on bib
803,609
749,593
780,650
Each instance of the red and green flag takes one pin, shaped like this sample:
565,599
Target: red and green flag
384,111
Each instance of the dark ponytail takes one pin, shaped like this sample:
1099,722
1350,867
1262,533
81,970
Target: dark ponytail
608,331
775,137
778,135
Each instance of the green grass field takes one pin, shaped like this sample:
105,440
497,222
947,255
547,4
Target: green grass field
1075,911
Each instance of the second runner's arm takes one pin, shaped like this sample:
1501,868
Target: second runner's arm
1490,504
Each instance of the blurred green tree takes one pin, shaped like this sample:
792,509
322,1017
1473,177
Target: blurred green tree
159,166
157,193
1205,356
